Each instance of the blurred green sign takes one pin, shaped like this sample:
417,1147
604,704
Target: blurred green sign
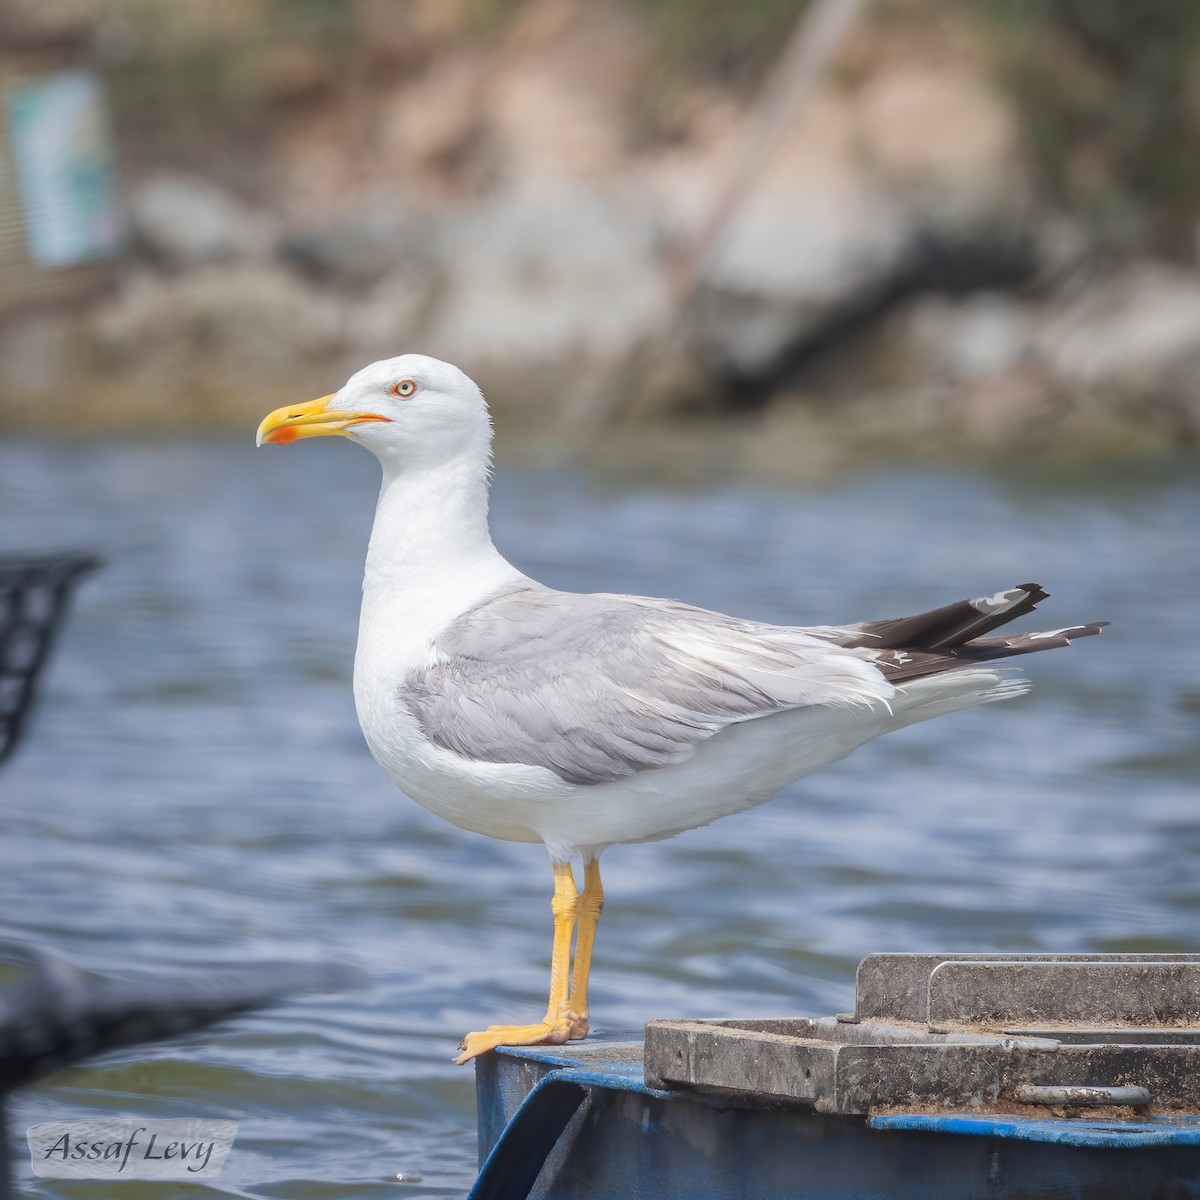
65,170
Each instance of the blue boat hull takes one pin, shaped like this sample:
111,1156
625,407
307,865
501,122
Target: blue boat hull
579,1123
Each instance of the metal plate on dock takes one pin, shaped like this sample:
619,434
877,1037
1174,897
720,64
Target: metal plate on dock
964,1031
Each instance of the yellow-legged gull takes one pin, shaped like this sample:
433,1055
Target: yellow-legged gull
580,721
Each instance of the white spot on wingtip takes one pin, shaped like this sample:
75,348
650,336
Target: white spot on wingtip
999,602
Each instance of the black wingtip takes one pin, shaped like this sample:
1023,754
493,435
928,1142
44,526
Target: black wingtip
953,624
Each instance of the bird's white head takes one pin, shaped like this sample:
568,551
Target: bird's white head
411,412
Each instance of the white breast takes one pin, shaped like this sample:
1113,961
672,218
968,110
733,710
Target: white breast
398,626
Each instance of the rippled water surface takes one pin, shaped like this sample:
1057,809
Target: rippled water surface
195,792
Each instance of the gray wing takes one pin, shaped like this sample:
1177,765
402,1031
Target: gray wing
597,687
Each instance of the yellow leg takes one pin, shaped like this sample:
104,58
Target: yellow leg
555,1028
591,905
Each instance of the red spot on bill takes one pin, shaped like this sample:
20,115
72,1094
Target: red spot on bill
281,436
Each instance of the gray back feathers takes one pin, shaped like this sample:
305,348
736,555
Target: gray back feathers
598,687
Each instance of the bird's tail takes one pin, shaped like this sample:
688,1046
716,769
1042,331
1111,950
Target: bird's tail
949,640
929,696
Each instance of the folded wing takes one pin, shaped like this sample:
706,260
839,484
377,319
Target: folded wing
596,687
599,687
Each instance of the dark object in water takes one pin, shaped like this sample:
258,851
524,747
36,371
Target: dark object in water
33,605
60,1016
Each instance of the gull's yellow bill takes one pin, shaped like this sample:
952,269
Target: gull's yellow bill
314,419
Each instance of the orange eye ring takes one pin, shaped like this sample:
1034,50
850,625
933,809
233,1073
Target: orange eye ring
404,390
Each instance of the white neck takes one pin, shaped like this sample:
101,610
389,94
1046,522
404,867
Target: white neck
431,556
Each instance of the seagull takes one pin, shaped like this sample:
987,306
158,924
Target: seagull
582,721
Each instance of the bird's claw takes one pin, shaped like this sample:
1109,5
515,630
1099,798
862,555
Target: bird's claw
541,1034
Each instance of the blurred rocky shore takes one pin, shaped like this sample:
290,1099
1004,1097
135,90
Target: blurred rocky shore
517,196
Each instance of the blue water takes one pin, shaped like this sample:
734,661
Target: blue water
195,793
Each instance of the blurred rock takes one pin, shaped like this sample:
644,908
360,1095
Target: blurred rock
977,338
422,21
875,192
186,221
941,140
1137,329
1113,361
360,250
436,123
537,281
293,73
393,317
218,333
558,109
894,178
500,188
814,232
38,354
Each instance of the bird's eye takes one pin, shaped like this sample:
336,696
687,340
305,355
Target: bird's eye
404,389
